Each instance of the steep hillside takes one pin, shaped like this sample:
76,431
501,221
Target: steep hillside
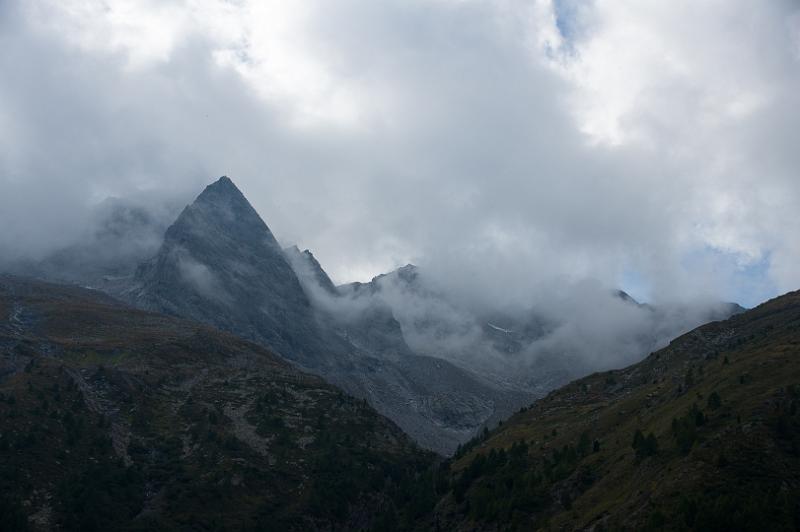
703,434
113,418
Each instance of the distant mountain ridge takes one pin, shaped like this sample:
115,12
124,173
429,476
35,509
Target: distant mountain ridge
528,347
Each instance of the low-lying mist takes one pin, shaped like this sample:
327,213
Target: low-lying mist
107,239
512,322
565,328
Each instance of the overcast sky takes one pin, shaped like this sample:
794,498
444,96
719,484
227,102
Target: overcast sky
650,145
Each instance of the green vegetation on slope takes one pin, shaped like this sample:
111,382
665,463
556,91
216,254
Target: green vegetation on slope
115,419
704,435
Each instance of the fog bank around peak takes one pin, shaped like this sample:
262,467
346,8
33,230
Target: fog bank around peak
486,143
566,331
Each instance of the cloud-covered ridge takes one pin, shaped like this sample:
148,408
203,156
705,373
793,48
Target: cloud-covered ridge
502,145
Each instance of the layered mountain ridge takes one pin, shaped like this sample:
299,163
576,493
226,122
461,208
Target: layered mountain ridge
536,347
220,264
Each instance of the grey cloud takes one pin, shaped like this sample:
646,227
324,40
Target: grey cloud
466,161
200,277
564,332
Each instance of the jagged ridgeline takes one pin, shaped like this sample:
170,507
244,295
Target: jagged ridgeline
118,419
701,435
221,265
442,369
220,262
113,418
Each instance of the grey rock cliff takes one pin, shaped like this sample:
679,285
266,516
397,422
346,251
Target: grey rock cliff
220,264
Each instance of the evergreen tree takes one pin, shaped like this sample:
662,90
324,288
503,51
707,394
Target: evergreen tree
714,401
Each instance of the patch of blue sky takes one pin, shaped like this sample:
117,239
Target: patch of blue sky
635,285
746,282
566,12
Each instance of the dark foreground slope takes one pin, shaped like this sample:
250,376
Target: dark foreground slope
113,418
703,434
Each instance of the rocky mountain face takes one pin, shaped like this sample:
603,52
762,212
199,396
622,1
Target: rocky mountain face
434,324
536,347
438,367
220,264
113,418
309,271
703,434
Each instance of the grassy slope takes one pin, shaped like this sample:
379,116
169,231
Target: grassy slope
112,418
738,469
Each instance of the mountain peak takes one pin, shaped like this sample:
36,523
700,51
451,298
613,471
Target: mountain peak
221,213
625,296
223,189
224,183
407,274
220,264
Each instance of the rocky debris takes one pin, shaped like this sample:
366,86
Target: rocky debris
245,431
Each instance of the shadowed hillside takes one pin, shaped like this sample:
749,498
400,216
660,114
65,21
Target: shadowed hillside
113,418
703,434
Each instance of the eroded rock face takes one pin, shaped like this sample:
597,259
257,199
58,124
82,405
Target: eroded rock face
415,353
309,271
220,264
